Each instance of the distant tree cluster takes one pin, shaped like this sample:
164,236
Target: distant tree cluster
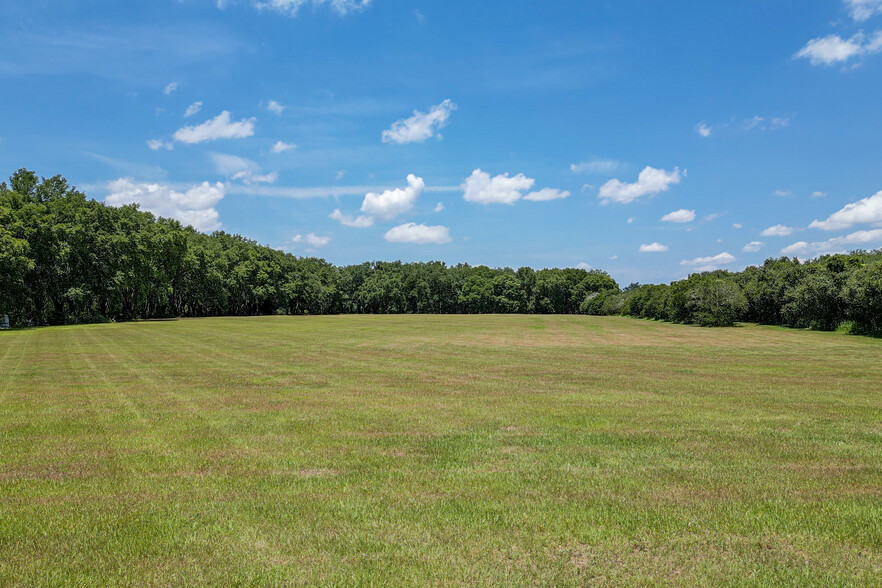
824,294
67,259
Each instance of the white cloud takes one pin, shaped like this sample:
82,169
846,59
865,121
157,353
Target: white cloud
863,9
783,193
242,169
252,178
350,221
193,207
193,109
292,7
631,219
418,234
778,231
753,247
706,264
834,49
596,166
480,187
737,225
679,216
704,130
547,194
836,244
218,127
170,88
650,181
819,194
312,240
584,266
275,107
157,144
762,124
420,126
653,248
439,207
232,164
864,211
391,203
281,147
339,175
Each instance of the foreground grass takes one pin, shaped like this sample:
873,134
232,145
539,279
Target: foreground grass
438,450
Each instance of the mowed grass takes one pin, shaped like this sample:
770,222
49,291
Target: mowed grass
441,450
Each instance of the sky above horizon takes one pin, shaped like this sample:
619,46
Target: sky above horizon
649,140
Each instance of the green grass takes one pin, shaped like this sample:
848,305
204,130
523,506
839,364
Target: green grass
439,450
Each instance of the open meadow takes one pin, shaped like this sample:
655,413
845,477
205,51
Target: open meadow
504,450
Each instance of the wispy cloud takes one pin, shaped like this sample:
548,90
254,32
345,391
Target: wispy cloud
596,166
420,126
193,109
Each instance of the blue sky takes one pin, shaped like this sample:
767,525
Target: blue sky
646,139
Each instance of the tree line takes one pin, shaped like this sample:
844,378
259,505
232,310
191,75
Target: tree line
66,259
827,293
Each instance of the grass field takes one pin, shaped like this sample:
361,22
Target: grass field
438,450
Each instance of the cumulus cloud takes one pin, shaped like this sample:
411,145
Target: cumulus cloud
439,207
836,244
281,147
653,248
584,266
350,221
418,234
480,187
778,231
679,216
865,211
595,166
312,240
737,225
863,9
818,194
170,88
753,247
193,109
391,203
834,49
547,194
420,126
195,206
703,130
219,127
706,264
157,144
275,107
650,181
292,7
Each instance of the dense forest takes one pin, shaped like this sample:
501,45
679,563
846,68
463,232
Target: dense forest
67,259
